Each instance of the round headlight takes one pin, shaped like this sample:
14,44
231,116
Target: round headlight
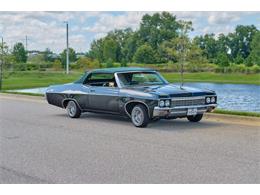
167,103
208,100
161,103
213,100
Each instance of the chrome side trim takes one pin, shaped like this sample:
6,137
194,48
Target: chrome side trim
137,101
104,94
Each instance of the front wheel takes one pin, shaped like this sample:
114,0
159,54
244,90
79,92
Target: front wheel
73,110
139,116
195,118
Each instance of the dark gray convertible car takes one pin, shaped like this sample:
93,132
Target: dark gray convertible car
139,93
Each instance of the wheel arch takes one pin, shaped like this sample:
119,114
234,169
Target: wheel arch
66,101
131,104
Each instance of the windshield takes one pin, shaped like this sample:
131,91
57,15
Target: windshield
140,78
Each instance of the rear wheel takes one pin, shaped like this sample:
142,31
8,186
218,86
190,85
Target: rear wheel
195,118
73,110
139,116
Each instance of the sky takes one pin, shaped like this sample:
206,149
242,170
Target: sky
47,29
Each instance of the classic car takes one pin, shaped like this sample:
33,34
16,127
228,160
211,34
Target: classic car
141,94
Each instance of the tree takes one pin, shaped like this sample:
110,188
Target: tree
8,59
72,56
255,49
144,54
208,45
96,50
183,51
4,48
109,63
156,28
222,59
239,59
19,53
123,63
240,40
110,51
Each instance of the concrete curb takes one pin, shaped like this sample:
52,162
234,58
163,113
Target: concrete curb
234,119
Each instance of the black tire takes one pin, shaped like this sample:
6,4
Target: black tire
156,119
73,110
142,113
195,118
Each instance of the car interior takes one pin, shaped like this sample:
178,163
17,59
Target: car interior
101,80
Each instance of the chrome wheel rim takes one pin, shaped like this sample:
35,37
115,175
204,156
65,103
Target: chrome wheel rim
71,109
137,116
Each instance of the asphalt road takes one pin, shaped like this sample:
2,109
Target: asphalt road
40,144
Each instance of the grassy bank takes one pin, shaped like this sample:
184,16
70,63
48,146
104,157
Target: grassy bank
21,80
239,113
215,78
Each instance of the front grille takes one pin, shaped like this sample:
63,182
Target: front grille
188,102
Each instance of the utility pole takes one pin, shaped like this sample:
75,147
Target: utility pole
67,50
2,63
26,43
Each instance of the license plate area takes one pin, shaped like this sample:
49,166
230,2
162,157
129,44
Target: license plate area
192,111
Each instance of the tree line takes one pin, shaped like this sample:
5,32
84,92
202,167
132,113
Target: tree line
161,38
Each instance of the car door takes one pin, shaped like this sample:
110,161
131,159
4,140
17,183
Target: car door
104,98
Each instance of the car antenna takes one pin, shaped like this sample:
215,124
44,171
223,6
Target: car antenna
182,57
184,30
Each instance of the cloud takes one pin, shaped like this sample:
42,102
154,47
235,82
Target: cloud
223,17
47,29
107,22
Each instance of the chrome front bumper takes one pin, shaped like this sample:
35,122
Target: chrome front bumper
181,111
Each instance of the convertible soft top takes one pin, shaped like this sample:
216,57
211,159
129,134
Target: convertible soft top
112,71
120,69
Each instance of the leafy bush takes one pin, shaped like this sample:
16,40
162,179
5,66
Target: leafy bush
57,65
222,60
109,63
144,54
84,63
255,69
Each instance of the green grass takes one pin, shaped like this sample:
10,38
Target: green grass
240,113
30,79
215,78
23,80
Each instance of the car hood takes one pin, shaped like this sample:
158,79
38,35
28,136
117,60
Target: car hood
171,90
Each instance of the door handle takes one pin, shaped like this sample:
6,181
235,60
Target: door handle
92,90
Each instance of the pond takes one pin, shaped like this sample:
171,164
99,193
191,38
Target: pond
230,96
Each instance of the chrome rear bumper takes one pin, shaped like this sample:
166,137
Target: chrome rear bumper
181,111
